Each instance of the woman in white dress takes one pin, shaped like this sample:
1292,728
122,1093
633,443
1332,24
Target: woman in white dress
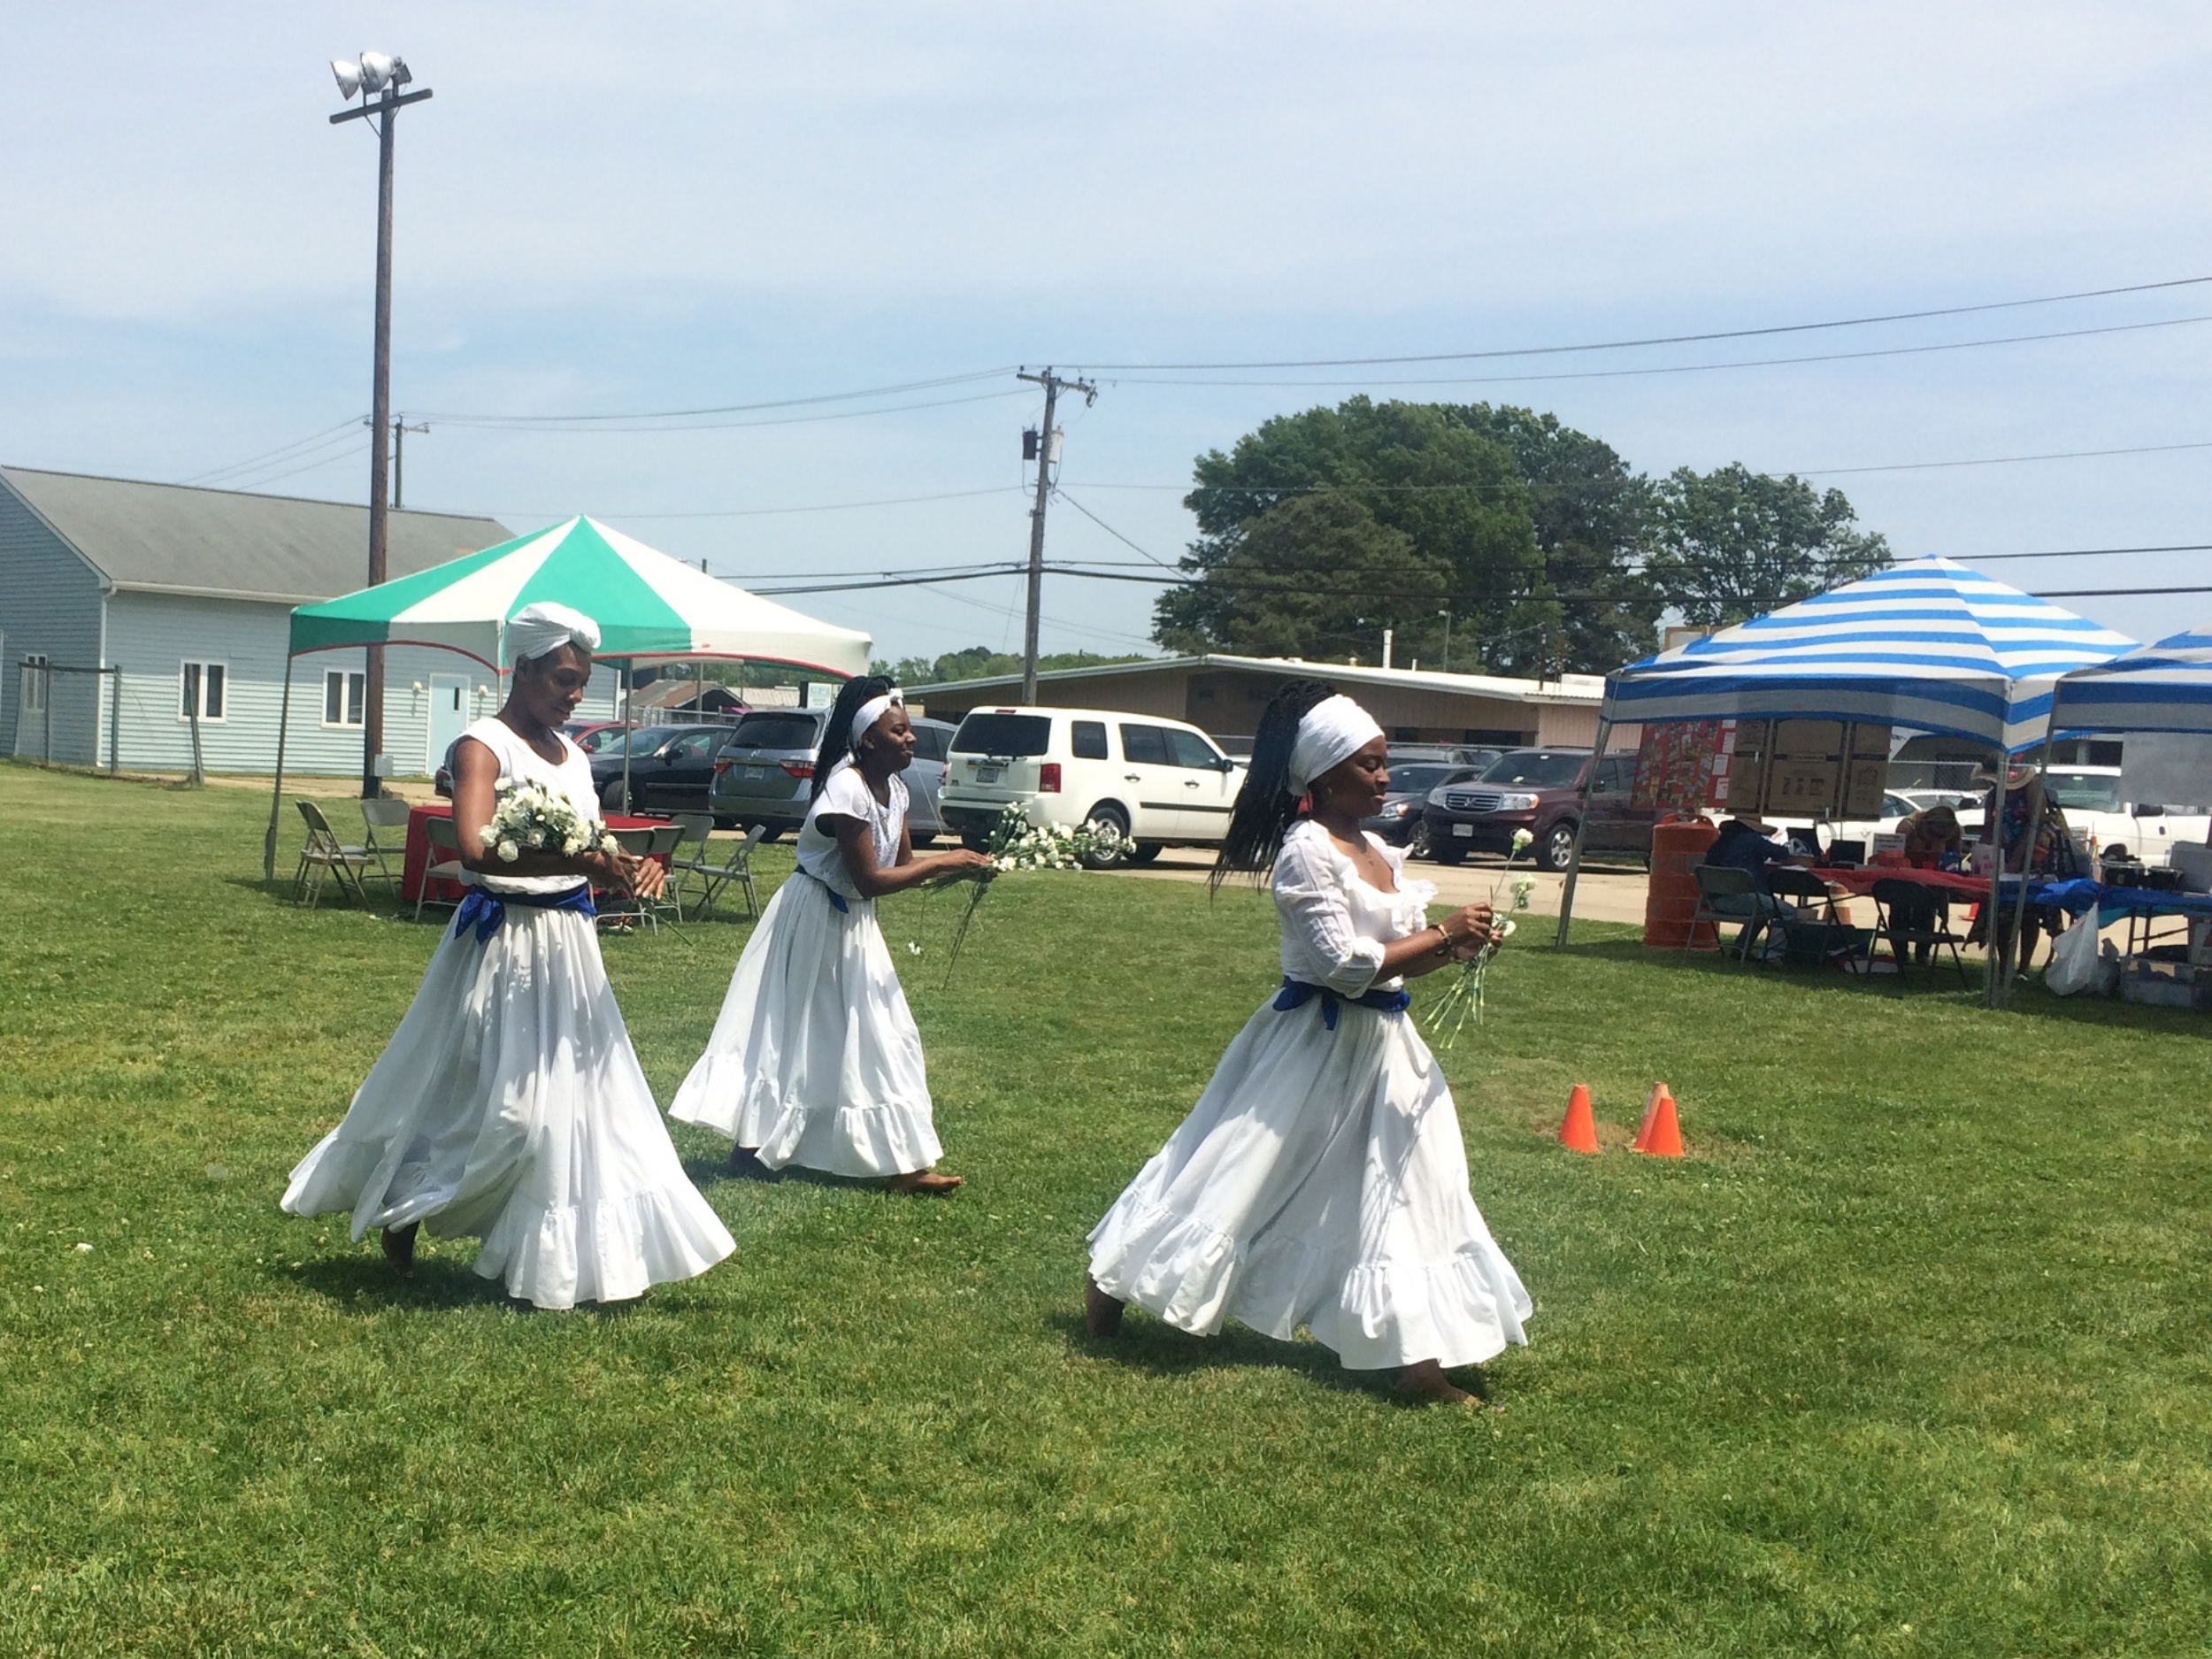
509,1106
815,1060
1320,1180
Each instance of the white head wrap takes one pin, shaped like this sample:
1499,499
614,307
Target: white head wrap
545,626
1332,730
869,713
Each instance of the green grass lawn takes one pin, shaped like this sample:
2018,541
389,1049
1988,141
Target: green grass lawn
1911,1357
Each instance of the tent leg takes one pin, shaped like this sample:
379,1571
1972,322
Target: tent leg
1993,985
2042,774
1582,820
276,794
628,669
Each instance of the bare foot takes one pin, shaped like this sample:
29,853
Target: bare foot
1427,1379
399,1248
926,1183
1101,1313
745,1164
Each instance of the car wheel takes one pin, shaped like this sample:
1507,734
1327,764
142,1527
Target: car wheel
611,796
1108,817
1557,851
1147,852
1447,852
1418,842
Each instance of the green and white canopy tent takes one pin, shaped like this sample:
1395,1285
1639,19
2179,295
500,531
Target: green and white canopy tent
649,608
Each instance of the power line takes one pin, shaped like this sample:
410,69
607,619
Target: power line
2085,552
765,512
1658,340
343,434
482,423
899,390
1698,368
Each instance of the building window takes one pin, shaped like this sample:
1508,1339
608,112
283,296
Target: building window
344,696
200,689
33,687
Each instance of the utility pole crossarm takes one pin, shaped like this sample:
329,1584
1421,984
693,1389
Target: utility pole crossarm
379,106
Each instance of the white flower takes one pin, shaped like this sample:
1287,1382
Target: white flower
607,843
913,950
84,1249
1523,841
508,852
485,836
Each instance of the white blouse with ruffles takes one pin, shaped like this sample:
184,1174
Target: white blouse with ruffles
1335,925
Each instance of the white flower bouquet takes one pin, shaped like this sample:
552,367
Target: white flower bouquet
1462,999
1015,843
531,817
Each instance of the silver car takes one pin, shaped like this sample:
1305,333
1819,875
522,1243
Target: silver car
765,771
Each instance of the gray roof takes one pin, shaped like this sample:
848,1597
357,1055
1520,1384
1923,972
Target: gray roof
1571,688
224,543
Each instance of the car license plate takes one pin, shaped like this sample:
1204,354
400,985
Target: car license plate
989,774
1467,830
759,772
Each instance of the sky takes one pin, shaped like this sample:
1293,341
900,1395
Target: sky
614,210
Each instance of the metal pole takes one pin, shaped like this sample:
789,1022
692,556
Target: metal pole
629,670
1582,818
2042,775
276,792
380,426
192,710
115,721
1990,985
46,701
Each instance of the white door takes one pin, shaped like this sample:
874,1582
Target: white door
449,716
1149,782
1206,785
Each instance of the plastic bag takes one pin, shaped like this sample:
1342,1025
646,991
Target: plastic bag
2075,966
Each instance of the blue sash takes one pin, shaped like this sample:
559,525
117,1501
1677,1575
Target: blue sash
836,899
485,911
1297,994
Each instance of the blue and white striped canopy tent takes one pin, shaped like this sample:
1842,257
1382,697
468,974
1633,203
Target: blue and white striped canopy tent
1933,644
2162,687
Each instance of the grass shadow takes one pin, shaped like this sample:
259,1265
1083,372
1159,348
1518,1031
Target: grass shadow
1149,1345
364,1281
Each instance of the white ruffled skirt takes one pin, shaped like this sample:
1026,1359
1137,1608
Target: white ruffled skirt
509,1106
815,1060
1319,1181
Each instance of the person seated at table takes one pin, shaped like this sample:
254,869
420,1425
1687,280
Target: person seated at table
2037,842
1747,842
1930,833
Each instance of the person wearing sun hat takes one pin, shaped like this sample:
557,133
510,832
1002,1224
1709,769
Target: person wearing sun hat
509,1106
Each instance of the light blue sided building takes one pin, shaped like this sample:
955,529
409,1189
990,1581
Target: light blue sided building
125,607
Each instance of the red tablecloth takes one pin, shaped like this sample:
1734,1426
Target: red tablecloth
1956,883
443,892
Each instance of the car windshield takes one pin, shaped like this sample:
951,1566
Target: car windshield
1420,779
776,731
1536,769
1008,734
2081,792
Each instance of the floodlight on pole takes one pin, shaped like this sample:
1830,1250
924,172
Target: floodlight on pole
378,78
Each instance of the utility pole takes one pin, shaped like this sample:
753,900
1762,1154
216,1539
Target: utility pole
384,76
1045,443
400,429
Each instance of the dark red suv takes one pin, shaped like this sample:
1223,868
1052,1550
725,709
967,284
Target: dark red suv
1540,790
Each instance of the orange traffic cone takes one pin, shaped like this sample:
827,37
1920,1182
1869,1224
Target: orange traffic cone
1661,1137
1579,1132
1651,1112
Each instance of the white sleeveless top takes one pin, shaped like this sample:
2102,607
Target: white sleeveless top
846,794
517,761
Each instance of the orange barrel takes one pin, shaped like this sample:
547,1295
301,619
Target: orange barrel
1677,848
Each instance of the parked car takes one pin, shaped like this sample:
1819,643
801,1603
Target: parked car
670,768
1400,822
591,736
1540,790
1160,782
2145,831
1474,756
764,773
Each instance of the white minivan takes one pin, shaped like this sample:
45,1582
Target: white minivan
1160,782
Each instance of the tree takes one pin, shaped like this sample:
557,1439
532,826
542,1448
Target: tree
980,662
1733,543
1316,576
1534,527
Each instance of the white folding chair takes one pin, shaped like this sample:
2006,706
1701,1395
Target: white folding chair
385,812
694,829
445,840
622,912
737,868
323,852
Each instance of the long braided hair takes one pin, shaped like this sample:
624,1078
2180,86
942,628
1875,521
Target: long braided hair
1265,806
837,734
